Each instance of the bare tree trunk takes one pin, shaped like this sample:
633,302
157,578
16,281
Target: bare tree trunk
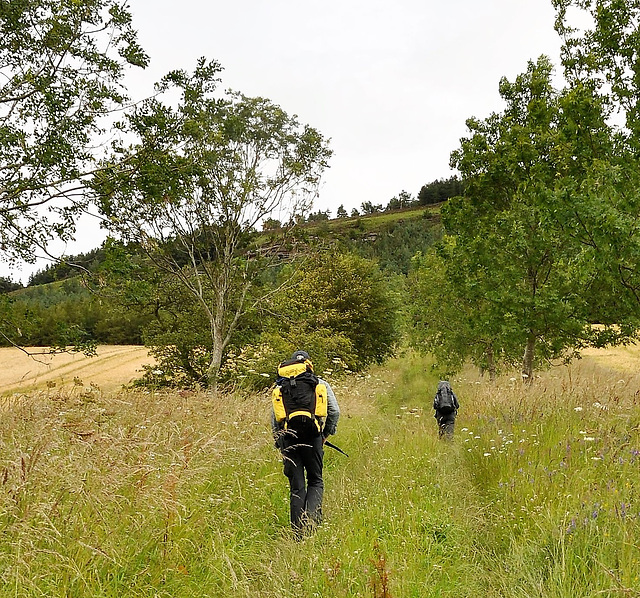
491,363
214,365
527,360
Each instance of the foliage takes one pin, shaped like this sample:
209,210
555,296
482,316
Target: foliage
337,307
393,244
7,285
370,208
402,201
452,326
69,267
61,313
348,297
513,252
603,57
198,179
62,64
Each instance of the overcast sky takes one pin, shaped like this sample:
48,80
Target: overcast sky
391,83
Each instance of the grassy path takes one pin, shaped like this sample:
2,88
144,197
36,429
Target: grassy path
177,495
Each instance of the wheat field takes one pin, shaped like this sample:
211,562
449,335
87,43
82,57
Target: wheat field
34,368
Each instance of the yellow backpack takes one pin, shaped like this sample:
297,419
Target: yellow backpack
298,393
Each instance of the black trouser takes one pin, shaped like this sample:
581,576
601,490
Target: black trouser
446,423
305,499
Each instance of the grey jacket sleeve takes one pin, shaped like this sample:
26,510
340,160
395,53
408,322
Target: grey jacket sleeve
275,428
333,411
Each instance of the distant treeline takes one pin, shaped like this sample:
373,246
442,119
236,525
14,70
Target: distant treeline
432,193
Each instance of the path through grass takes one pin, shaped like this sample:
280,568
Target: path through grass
179,495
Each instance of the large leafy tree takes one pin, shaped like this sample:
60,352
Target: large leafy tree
605,57
452,318
61,67
199,177
346,296
514,253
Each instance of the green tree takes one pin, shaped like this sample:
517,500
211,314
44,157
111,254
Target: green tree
370,208
402,200
348,297
200,176
319,216
342,213
510,226
62,65
439,190
605,58
271,224
451,318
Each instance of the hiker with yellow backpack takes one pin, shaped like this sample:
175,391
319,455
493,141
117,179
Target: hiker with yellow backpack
305,413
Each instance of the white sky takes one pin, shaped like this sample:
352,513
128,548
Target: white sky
391,83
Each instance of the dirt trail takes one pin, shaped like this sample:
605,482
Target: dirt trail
111,368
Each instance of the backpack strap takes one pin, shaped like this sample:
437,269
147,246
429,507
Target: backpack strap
303,414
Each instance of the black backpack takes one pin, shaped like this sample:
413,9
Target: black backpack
445,401
295,398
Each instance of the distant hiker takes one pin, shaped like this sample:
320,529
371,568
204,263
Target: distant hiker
446,405
305,413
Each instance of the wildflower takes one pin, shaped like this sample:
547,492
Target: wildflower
622,511
487,454
577,408
589,438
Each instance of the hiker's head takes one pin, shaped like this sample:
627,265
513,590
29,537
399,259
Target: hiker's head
300,356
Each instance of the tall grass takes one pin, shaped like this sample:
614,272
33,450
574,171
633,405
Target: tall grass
178,494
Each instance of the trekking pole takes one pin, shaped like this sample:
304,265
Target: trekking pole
336,448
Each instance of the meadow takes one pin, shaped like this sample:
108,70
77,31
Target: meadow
143,494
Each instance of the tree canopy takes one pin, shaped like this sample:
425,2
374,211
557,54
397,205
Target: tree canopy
62,65
198,179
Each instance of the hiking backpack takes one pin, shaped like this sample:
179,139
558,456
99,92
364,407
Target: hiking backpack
445,401
299,399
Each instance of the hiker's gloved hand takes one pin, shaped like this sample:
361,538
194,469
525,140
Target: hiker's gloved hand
278,442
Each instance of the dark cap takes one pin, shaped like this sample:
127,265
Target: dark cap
300,355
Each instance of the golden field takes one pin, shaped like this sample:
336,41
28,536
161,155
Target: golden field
35,369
